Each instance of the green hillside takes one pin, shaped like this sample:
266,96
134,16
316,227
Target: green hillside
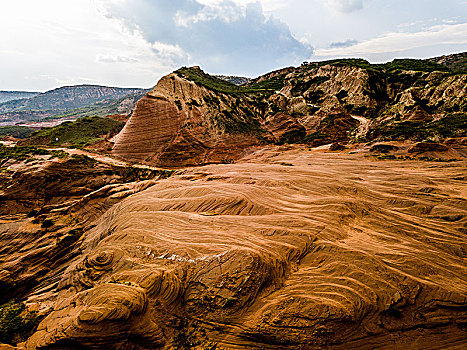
81,132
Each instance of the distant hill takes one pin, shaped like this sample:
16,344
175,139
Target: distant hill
233,79
81,132
16,95
19,132
71,101
456,62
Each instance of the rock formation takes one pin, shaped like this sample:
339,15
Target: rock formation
334,251
193,118
345,245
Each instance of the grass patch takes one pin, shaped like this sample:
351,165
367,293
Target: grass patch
397,64
16,323
382,148
211,82
19,132
20,152
315,136
82,132
453,125
425,159
274,83
292,136
237,124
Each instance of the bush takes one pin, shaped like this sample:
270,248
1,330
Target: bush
382,148
47,223
16,323
32,213
20,132
292,136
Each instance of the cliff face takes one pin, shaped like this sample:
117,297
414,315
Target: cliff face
181,123
192,118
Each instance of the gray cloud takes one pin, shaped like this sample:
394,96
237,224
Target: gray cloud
223,38
346,6
340,44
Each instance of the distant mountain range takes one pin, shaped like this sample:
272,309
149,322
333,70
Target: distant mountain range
233,79
16,95
71,102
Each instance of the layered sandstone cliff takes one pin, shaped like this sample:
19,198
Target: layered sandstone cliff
180,123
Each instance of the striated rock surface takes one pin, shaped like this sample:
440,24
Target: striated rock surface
333,251
180,123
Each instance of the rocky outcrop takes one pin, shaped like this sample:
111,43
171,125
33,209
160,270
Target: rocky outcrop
180,123
155,122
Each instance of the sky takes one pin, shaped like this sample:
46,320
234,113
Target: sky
132,43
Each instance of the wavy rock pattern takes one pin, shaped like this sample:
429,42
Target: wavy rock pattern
322,254
180,123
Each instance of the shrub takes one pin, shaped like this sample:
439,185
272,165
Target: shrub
16,323
292,136
382,148
32,213
47,223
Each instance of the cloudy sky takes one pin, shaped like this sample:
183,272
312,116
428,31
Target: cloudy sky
132,43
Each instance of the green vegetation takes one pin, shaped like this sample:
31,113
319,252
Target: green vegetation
82,159
426,159
286,164
301,85
314,136
274,83
19,132
453,125
81,132
413,64
58,154
16,323
208,81
382,148
233,123
20,152
292,136
229,302
211,82
397,64
130,174
456,62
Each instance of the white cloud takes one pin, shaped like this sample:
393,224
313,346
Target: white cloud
402,41
70,42
345,6
114,59
52,42
268,5
221,36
